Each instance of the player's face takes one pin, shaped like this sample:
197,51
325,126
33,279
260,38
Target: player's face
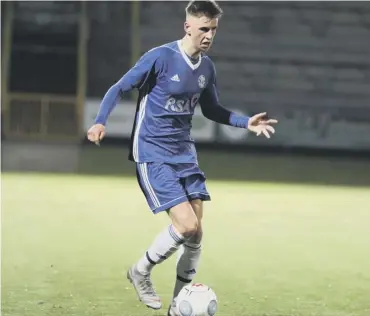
201,31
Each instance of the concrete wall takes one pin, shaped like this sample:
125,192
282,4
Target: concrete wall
109,160
39,157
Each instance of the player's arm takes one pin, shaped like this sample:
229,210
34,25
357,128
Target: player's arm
134,78
213,110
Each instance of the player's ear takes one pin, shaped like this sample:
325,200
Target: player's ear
187,28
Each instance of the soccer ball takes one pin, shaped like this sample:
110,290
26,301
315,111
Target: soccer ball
196,300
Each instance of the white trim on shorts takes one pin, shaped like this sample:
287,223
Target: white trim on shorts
144,175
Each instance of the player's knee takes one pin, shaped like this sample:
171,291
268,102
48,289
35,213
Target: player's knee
196,238
189,228
184,220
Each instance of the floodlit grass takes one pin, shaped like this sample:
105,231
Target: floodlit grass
269,249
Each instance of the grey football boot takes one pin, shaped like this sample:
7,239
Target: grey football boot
144,288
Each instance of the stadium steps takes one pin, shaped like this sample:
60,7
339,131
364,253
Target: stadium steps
289,54
109,56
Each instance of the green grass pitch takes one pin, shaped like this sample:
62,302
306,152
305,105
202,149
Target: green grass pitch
269,249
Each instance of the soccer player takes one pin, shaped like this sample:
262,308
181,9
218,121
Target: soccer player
172,80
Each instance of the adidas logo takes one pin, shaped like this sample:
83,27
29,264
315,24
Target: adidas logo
175,78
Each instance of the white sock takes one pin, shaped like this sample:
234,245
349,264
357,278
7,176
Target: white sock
187,264
165,244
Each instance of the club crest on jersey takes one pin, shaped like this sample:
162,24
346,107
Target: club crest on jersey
202,81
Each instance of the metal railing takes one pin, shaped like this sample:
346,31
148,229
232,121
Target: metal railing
42,116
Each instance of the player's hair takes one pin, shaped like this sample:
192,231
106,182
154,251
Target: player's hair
209,8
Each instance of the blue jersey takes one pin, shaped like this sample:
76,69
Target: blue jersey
170,86
166,105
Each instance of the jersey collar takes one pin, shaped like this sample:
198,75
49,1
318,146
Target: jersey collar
187,59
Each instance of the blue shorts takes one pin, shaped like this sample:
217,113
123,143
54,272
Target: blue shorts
166,185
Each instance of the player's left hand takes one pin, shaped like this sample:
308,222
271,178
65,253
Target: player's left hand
260,125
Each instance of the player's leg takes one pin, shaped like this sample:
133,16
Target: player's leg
163,191
184,225
188,257
189,252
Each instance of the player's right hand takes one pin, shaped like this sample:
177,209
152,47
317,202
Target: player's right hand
96,133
